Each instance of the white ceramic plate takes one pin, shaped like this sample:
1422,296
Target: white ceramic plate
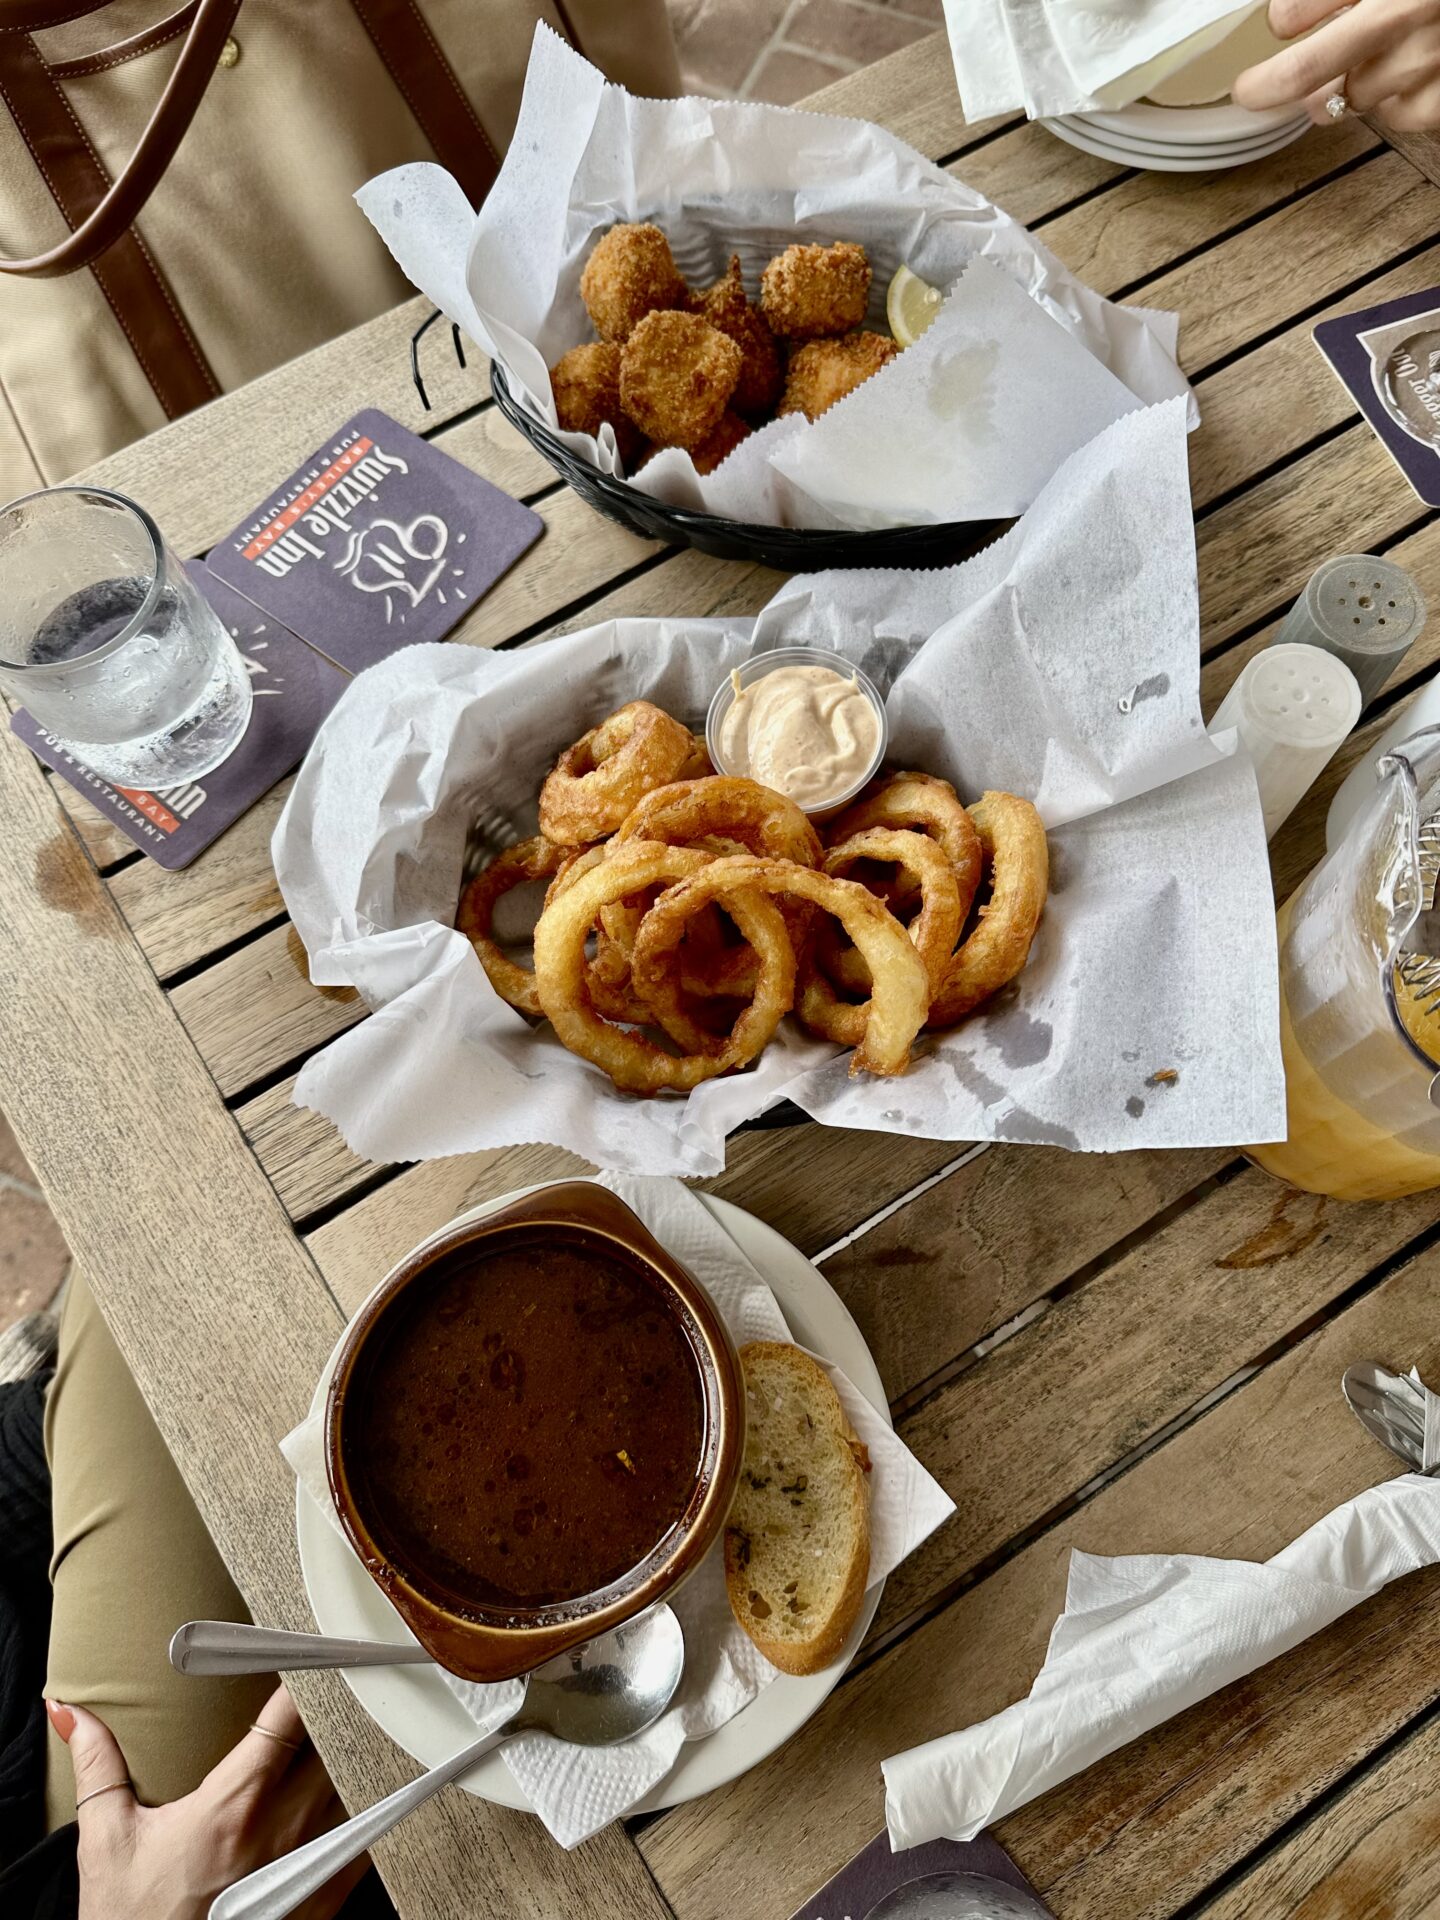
1089,142
1172,149
1215,126
417,1709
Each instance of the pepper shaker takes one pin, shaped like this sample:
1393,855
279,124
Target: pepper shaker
1362,608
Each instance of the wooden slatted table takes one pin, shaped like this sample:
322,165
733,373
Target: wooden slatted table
1131,1353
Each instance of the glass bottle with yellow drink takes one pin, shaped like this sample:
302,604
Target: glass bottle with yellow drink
1360,997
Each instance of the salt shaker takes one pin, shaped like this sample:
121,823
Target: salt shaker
1292,706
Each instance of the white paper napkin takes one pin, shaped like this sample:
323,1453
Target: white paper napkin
1145,1636
576,1790
1061,663
1078,56
729,177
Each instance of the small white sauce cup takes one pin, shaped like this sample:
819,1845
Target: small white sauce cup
756,667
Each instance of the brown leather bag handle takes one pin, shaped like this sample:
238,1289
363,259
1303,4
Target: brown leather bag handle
154,150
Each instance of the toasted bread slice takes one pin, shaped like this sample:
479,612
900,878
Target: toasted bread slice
797,1543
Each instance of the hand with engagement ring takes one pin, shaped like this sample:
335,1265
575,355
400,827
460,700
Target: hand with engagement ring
1380,56
269,1794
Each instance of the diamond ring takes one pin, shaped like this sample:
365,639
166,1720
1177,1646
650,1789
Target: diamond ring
1337,106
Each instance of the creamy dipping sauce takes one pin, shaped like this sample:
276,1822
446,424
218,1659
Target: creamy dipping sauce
808,732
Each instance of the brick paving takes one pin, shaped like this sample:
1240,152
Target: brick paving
33,1256
775,50
778,50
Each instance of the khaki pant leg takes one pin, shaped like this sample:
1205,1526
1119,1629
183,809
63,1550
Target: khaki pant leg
132,1561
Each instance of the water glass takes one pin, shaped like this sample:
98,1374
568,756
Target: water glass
107,643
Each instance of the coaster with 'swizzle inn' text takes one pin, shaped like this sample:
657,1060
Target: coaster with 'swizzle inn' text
1388,357
377,541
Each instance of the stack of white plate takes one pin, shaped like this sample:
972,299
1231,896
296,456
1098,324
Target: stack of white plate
1181,139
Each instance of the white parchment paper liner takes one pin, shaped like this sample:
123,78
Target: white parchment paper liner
578,1790
723,177
1061,663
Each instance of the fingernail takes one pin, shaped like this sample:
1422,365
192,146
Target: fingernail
62,1718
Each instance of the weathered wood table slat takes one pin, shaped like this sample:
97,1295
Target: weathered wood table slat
1125,1353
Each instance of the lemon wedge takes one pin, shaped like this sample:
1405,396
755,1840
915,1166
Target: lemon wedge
910,305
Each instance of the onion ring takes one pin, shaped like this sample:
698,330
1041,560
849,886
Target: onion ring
1013,837
933,933
607,979
636,1064
898,1006
596,783
767,823
918,803
740,812
711,968
536,859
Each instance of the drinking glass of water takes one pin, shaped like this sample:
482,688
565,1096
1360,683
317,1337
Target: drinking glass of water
107,643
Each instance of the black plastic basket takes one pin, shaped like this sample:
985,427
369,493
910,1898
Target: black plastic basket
790,549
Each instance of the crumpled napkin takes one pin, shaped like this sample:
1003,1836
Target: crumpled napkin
1078,56
578,1790
1145,1636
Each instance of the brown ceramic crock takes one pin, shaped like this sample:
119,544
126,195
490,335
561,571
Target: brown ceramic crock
485,1642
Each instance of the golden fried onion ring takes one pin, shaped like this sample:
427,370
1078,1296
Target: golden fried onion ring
1014,842
767,823
710,967
535,859
596,783
916,803
898,1006
933,932
636,1064
742,813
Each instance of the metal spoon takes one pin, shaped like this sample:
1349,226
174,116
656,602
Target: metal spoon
602,1693
1389,1407
230,1647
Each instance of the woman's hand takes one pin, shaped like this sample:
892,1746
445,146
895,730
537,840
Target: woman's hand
168,1863
1380,54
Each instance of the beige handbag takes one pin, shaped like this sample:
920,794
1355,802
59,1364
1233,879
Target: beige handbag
176,181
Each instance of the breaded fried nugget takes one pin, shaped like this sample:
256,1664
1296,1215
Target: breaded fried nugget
826,370
810,292
721,443
630,273
586,385
677,374
761,376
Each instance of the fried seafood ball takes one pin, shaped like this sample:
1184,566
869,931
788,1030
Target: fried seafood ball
809,292
761,375
720,444
677,374
630,273
586,385
824,371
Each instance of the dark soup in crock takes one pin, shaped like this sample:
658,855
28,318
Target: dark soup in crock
528,1423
